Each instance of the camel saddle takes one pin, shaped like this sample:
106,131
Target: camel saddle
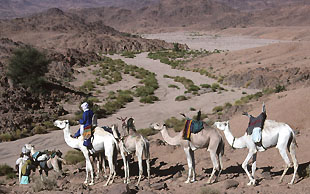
191,126
256,122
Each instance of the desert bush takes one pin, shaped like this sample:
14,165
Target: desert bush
228,105
305,172
192,109
173,86
128,54
27,67
279,88
74,157
49,184
205,85
215,86
87,86
181,98
217,109
6,137
39,129
6,170
176,124
149,99
147,132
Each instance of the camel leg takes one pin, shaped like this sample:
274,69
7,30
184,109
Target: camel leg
215,165
254,164
20,171
148,169
89,167
127,168
111,166
221,164
122,152
294,159
245,165
189,163
139,156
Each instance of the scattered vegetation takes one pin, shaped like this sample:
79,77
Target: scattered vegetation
6,170
176,124
27,67
181,98
130,54
74,157
188,84
49,184
173,86
147,131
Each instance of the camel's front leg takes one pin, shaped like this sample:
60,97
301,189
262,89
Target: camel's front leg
245,165
89,168
189,154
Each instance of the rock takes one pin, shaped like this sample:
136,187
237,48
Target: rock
230,184
159,186
119,189
266,175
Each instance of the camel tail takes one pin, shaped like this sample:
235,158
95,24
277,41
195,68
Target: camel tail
291,141
147,148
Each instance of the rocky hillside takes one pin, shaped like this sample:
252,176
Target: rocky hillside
21,8
57,30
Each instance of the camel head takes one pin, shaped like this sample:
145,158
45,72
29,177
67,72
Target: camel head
61,124
157,126
222,125
29,147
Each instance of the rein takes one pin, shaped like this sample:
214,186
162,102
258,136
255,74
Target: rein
232,145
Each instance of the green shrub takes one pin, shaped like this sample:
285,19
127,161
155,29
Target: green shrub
49,184
39,130
173,86
27,67
149,99
227,105
5,169
147,131
74,157
6,137
205,85
180,98
279,88
176,124
217,109
87,86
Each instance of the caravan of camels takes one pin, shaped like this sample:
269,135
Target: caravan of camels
108,142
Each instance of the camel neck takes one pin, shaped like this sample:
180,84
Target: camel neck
170,140
233,141
72,142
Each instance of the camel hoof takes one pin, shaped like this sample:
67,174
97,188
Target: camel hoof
193,181
91,184
252,182
85,182
187,181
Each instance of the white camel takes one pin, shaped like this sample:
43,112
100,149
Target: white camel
133,142
208,138
102,140
274,133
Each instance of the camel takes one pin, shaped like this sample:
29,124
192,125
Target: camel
102,141
133,142
51,162
208,138
274,133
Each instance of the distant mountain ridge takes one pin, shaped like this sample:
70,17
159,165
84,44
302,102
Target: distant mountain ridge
21,8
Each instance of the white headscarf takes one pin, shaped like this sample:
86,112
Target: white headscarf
84,106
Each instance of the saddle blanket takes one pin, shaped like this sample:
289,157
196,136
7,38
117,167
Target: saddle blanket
191,126
256,122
